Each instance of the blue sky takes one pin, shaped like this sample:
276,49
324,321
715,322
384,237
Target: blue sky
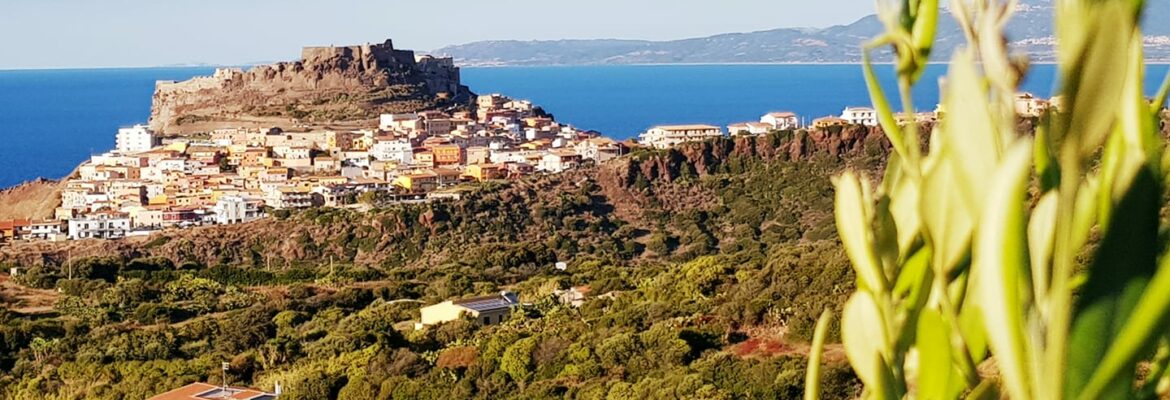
104,33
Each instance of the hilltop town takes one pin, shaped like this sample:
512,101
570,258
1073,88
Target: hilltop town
235,175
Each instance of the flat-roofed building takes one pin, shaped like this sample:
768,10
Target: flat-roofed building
860,116
486,310
135,139
207,391
666,136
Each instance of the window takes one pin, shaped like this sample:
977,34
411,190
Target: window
500,318
487,320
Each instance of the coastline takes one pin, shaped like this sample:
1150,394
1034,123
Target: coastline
508,65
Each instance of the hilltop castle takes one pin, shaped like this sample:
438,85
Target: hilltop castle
328,84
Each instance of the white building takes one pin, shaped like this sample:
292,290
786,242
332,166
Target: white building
749,128
398,150
285,197
782,120
665,136
558,161
99,226
235,209
398,122
1028,105
860,116
135,139
598,149
46,230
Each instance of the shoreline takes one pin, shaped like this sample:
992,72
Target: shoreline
490,66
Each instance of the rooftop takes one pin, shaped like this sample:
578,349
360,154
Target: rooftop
498,301
204,391
691,127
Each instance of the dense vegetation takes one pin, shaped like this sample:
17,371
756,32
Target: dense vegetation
719,259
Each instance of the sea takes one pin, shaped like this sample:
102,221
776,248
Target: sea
51,120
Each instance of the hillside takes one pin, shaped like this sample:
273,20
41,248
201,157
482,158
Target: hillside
1030,32
305,299
35,199
327,85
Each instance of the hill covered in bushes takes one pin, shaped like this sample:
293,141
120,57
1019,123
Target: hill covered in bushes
717,258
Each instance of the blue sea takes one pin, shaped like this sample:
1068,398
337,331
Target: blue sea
50,120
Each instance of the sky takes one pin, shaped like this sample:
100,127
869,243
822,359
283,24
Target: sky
135,33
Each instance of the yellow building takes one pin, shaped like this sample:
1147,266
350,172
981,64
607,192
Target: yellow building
485,310
417,181
482,172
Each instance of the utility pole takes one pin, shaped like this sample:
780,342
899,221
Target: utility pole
223,382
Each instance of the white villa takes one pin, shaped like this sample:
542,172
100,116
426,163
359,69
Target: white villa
666,136
782,120
860,116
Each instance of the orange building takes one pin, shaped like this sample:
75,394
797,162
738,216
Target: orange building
448,154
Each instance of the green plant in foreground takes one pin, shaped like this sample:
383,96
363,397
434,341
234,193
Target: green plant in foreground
969,255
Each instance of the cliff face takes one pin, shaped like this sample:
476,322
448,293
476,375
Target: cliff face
710,157
328,84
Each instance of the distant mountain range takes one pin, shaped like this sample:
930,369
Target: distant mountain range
1030,31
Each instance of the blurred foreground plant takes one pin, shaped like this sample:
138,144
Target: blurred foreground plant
969,251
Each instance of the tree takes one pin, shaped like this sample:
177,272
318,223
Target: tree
517,360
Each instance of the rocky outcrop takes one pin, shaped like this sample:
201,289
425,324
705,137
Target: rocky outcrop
328,84
32,200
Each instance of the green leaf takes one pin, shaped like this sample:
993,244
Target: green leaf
1095,38
968,145
1041,238
1123,265
864,334
974,331
1129,202
937,378
853,214
903,206
1000,263
812,378
913,284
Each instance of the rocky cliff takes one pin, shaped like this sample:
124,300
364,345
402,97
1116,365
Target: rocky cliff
328,85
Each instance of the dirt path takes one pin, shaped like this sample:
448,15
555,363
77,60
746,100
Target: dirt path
25,300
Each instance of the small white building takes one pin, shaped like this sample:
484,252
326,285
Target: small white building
46,230
749,128
781,120
135,139
236,209
558,161
398,122
99,226
666,136
1028,105
395,150
860,116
